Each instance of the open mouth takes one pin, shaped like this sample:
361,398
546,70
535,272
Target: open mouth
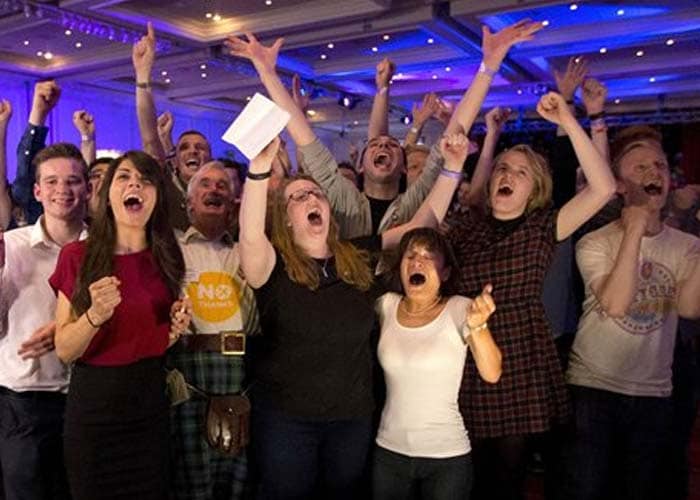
382,160
653,189
505,191
192,163
315,218
416,279
214,200
133,203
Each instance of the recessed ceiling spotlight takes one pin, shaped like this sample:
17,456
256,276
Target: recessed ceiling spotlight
385,37
430,40
164,73
216,18
168,80
620,12
573,6
448,69
248,98
639,53
26,42
48,55
652,79
375,49
577,60
434,77
324,56
68,32
330,45
519,91
78,45
545,22
204,75
40,53
268,2
208,15
202,66
603,50
617,101
670,42
356,122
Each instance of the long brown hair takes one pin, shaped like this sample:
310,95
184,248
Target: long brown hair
352,264
102,239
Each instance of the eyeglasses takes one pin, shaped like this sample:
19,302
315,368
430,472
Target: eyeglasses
301,195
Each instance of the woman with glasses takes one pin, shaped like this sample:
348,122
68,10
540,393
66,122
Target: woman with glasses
312,367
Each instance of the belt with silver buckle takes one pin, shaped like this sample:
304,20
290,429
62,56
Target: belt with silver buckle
227,343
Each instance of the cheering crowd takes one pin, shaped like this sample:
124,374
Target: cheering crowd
392,327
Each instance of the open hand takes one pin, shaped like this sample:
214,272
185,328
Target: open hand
495,46
568,82
39,343
594,94
422,113
264,58
300,99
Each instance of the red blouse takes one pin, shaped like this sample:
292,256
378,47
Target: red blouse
140,324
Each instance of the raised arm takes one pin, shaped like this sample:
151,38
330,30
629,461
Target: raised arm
143,56
379,115
594,94
495,120
601,185
494,47
5,201
257,254
421,114
84,122
264,60
165,124
432,211
45,99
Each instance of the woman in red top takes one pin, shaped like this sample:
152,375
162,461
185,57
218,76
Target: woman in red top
116,315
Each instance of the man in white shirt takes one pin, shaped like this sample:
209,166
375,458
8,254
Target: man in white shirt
640,275
33,382
210,356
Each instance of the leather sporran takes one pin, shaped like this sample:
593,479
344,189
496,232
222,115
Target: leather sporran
227,423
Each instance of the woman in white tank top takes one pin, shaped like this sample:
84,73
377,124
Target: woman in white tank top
422,444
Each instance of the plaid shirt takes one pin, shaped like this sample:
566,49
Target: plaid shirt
514,257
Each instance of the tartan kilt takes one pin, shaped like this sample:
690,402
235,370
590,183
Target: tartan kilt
197,471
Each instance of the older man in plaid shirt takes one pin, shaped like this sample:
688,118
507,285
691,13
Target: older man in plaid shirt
211,356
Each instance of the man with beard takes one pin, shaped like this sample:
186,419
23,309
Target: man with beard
33,381
210,356
192,149
640,275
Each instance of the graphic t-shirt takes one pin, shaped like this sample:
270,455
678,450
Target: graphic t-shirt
631,355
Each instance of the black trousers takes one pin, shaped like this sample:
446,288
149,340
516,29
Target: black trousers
31,445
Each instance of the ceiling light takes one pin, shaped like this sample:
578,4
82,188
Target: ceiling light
48,55
268,2
385,37
164,73
520,91
639,53
406,119
430,40
577,60
68,32
617,101
356,122
26,42
216,18
670,42
248,98
204,75
330,45
324,56
375,49
434,77
202,66
78,45
167,80
311,112
208,15
621,12
39,53
603,50
448,69
652,79
545,23
573,6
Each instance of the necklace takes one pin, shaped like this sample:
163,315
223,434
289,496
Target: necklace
420,311
324,266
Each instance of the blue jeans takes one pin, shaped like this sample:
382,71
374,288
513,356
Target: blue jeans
617,438
31,445
400,477
302,458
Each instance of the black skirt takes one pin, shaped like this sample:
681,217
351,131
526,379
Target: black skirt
116,432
